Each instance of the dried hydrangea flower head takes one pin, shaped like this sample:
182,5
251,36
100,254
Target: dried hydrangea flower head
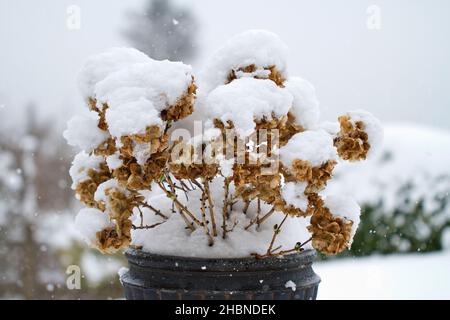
360,135
333,224
263,149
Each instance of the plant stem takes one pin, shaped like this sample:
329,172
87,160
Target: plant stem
266,216
179,205
275,234
147,227
225,212
205,225
156,211
259,221
211,207
247,204
282,252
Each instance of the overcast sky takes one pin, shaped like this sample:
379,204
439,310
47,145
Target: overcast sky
400,72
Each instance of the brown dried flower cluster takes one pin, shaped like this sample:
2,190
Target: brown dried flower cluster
352,143
183,107
316,177
189,164
120,208
330,234
85,190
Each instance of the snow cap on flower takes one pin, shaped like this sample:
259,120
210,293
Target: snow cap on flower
316,147
253,53
245,100
89,222
83,132
81,164
305,106
99,66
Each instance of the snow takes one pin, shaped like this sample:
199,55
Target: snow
313,146
83,132
113,161
345,207
89,221
305,106
99,66
226,166
410,276
122,271
294,194
132,118
258,47
332,127
160,82
81,165
172,238
245,99
291,284
141,152
373,128
100,193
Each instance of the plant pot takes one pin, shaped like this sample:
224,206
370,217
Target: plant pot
158,277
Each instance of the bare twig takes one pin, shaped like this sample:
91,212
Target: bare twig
156,211
225,213
265,217
259,221
205,225
179,205
247,204
197,184
298,248
141,216
211,207
142,227
276,231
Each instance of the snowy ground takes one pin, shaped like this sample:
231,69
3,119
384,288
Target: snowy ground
413,276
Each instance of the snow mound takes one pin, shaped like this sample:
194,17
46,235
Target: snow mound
313,146
83,132
137,94
305,106
253,47
81,165
89,221
246,99
345,207
172,238
294,194
99,66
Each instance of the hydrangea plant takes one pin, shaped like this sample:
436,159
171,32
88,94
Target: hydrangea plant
258,165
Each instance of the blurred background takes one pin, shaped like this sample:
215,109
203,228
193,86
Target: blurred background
388,57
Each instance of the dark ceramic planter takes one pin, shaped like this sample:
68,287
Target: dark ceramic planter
157,277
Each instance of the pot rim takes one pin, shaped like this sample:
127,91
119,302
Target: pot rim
144,259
